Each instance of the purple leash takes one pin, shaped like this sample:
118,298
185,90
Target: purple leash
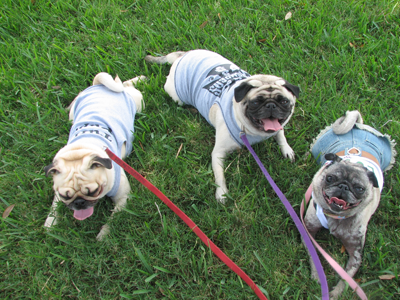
297,222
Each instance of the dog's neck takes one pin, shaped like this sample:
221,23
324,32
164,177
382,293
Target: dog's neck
328,214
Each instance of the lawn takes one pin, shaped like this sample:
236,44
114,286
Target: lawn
344,55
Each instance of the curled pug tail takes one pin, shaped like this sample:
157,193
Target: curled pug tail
106,79
169,58
346,123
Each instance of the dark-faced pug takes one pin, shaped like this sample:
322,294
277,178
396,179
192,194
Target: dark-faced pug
347,188
103,116
232,101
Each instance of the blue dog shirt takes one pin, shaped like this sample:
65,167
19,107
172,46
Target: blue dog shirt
95,116
203,78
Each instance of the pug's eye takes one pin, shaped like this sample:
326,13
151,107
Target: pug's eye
257,101
282,100
359,189
329,178
54,172
95,166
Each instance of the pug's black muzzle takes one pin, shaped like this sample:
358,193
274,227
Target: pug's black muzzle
268,108
342,197
80,203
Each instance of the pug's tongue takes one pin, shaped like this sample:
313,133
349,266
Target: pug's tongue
338,201
82,214
271,124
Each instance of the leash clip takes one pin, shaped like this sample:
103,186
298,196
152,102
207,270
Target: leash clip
242,132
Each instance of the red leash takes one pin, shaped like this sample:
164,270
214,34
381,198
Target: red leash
222,256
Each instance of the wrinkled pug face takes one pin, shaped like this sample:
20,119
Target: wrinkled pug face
81,178
268,101
343,188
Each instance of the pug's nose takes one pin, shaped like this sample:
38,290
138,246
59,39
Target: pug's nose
271,106
79,203
343,187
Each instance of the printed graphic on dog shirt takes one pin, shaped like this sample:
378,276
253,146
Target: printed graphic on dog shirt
223,77
94,129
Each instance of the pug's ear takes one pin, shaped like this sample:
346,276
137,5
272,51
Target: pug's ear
50,170
101,162
295,90
333,157
372,178
242,90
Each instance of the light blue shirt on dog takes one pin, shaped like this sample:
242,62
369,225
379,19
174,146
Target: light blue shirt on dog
95,116
203,78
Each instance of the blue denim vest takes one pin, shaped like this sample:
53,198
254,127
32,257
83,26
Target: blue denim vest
362,137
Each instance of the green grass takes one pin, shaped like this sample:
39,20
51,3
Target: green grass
343,54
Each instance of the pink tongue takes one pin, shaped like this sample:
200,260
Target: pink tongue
271,124
83,213
338,201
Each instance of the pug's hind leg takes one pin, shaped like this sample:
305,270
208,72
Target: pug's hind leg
286,150
137,96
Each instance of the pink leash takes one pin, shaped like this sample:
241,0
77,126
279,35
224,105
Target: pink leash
218,252
342,273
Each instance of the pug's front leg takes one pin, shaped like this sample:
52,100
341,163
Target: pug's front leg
120,200
286,150
354,246
223,145
313,225
52,216
217,166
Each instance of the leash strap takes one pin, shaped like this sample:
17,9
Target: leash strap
300,227
342,273
222,256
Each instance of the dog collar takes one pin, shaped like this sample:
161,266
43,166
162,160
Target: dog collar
329,214
333,216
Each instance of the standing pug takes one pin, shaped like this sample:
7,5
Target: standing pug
232,101
347,188
103,116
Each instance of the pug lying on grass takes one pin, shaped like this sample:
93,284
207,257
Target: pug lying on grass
232,101
103,116
347,188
